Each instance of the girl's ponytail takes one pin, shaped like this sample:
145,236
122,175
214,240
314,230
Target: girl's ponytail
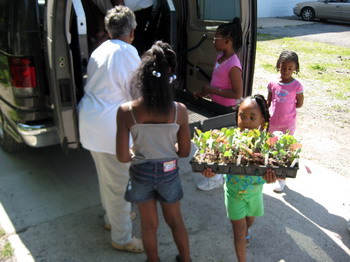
261,101
152,77
233,30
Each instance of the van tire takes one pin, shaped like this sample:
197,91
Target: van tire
7,142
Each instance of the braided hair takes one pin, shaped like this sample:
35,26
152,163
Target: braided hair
262,103
232,30
151,80
288,56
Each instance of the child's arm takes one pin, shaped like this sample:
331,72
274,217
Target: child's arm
236,82
123,133
269,99
236,90
300,100
183,135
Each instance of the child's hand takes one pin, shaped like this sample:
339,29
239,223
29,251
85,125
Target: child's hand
270,176
208,172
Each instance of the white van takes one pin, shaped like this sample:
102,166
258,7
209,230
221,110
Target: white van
44,50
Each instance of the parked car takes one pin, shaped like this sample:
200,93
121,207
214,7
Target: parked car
44,50
338,10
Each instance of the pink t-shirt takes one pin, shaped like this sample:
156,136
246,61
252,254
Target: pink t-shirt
221,78
283,104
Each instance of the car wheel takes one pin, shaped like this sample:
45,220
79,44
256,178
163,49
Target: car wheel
308,14
7,142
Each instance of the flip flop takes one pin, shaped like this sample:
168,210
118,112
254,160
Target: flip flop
135,246
247,238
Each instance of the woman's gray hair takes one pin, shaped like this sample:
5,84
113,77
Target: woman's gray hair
119,21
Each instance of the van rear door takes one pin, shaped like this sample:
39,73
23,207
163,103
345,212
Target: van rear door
60,73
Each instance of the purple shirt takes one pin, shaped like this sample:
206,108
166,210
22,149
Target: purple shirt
221,78
283,104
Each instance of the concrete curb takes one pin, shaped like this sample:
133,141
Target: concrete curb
265,22
21,253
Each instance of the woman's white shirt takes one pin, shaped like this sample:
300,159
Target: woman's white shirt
109,70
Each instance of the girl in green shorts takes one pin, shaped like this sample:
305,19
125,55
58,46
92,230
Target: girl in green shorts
243,194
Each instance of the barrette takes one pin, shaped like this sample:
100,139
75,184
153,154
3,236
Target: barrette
156,74
172,78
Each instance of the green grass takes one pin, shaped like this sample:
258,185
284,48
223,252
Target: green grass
324,63
6,251
5,248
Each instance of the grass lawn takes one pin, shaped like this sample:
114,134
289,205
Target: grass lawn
323,64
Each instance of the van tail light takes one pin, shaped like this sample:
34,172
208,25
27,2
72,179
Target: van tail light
23,73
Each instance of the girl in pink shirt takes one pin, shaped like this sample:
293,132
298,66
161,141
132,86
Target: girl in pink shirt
284,97
226,86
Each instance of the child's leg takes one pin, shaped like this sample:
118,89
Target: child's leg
240,228
173,217
149,225
249,221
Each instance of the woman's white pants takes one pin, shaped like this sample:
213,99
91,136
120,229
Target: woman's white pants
113,177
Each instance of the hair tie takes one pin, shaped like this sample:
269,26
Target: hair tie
156,74
172,79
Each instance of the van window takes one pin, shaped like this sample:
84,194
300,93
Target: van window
219,10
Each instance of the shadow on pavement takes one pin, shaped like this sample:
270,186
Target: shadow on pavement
54,205
319,215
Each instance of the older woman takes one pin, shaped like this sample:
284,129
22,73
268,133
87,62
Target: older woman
109,69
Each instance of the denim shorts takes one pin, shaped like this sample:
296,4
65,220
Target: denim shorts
154,180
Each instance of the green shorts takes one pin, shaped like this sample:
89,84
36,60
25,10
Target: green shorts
244,204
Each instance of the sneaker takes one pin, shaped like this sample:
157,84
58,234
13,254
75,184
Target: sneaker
279,186
210,183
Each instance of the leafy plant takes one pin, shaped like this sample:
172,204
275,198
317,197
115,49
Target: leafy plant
246,147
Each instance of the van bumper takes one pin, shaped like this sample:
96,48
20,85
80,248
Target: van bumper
38,135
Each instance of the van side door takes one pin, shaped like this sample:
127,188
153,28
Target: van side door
203,20
60,70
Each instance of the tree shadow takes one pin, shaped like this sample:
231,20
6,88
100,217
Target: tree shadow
318,214
284,233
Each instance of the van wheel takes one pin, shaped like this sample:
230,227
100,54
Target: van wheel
7,142
308,14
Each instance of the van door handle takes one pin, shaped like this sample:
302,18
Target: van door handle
204,37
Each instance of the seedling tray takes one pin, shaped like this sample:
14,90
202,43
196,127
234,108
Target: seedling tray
250,170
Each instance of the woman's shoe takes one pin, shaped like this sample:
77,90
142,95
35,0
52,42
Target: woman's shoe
135,246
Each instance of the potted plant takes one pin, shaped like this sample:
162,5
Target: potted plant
246,152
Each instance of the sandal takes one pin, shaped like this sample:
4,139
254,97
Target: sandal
135,246
247,238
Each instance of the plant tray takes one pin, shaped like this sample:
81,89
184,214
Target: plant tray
251,170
